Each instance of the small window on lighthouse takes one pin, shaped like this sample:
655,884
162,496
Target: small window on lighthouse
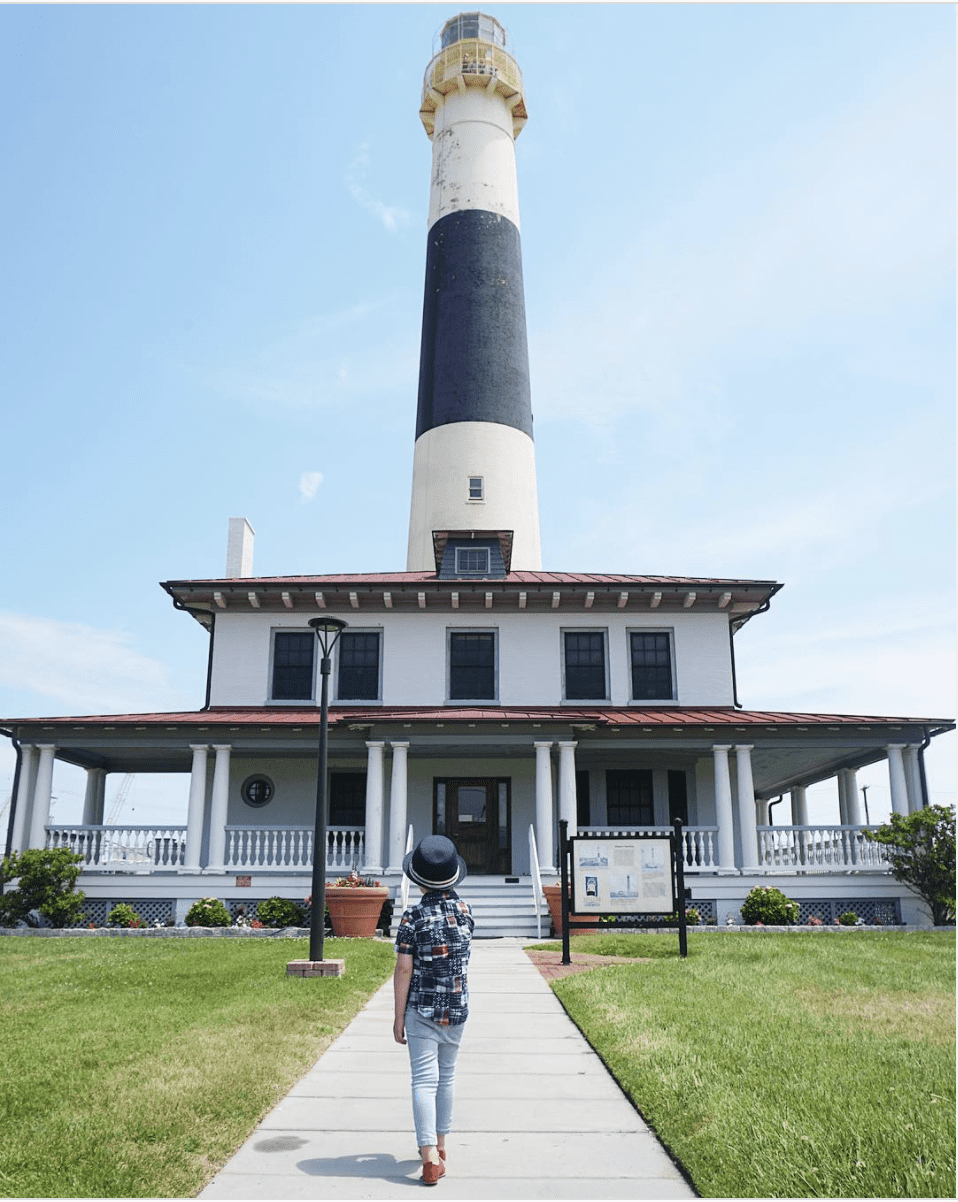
475,488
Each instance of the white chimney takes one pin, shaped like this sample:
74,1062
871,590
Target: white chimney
239,548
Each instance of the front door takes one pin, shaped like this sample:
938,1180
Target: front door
475,814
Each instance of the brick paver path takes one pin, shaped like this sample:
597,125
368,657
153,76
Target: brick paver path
551,967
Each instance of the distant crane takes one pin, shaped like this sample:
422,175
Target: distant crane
120,798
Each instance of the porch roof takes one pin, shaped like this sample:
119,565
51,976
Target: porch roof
788,748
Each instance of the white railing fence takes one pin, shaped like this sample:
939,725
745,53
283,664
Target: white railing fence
700,843
819,848
122,848
404,887
153,848
538,897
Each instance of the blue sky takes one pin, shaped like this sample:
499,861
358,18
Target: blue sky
738,248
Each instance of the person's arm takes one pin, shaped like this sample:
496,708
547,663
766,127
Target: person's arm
402,977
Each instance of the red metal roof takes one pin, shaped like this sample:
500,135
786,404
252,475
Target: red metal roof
600,716
399,578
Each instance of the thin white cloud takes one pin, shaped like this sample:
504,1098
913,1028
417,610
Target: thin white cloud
390,216
81,668
309,482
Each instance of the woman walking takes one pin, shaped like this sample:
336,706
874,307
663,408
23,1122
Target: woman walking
431,994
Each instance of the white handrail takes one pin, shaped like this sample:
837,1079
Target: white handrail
537,895
404,887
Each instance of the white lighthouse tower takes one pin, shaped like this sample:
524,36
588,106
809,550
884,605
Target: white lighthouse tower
474,475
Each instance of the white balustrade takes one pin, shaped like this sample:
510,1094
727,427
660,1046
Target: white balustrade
121,848
155,848
819,849
700,843
290,848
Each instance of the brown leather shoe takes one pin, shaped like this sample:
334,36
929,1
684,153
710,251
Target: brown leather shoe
442,1153
432,1172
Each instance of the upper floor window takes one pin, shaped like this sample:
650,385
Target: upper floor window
358,666
585,675
293,652
475,489
651,654
472,665
472,559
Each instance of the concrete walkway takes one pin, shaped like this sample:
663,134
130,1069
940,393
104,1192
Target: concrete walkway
537,1113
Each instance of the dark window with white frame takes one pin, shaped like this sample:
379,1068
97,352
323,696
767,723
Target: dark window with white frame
472,665
472,559
651,656
475,489
358,678
293,652
585,665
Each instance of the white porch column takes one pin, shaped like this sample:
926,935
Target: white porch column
196,810
28,776
723,808
42,796
374,807
896,778
799,804
746,806
397,807
93,797
842,797
567,802
853,805
913,778
544,835
219,808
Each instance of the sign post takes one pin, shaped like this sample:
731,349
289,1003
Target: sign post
623,878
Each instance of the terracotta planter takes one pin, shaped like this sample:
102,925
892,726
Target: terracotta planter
554,898
354,913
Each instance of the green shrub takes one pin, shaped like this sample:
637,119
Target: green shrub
46,882
208,912
692,916
770,907
848,919
921,851
280,912
123,915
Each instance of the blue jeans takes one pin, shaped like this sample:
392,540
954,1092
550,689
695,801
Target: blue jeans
432,1058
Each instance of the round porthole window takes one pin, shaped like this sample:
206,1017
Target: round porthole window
257,790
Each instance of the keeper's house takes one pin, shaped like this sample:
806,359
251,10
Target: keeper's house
474,694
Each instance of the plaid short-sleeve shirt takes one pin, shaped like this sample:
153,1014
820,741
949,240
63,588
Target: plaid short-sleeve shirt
438,935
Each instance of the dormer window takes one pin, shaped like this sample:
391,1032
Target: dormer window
472,560
476,492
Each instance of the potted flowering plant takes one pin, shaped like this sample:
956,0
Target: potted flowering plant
355,903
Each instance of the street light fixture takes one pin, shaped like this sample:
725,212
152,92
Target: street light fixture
328,631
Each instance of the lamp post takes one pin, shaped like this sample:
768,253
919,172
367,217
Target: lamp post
327,631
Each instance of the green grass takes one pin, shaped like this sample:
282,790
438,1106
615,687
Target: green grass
136,1067
796,1065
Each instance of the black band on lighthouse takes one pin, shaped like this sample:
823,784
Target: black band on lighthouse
474,362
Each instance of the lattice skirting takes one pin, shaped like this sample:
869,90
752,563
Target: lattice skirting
150,909
883,912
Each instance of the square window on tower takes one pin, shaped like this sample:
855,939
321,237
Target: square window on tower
476,492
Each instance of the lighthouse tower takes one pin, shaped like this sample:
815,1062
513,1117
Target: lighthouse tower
474,476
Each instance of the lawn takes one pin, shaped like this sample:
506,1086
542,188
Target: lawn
136,1067
791,1065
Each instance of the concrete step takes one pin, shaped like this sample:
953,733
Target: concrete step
502,908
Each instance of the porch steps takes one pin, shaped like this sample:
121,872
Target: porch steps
501,908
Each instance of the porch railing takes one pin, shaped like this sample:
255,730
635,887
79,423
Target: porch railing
290,848
155,848
700,842
122,848
819,848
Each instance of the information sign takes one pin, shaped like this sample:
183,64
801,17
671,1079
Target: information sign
627,876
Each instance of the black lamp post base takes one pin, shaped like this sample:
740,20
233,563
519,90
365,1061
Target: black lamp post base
316,968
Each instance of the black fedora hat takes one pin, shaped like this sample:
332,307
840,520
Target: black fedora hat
435,863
